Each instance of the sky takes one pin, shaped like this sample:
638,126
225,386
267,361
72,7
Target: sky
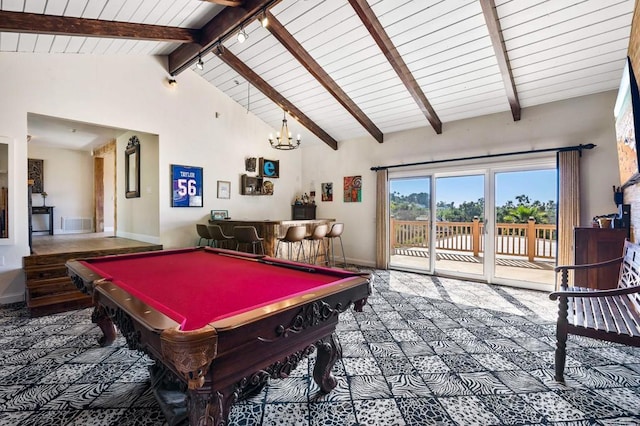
537,185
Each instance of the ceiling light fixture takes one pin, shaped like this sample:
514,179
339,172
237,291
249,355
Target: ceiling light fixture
200,64
264,20
283,138
172,81
242,35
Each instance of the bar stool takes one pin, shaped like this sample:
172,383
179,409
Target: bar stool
218,237
316,239
247,236
336,232
203,233
294,234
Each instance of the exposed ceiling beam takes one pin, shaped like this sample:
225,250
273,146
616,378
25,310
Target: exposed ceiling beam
216,30
241,68
299,52
375,28
495,32
63,25
232,3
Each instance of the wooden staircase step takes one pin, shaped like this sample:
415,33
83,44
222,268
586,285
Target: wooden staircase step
44,272
50,286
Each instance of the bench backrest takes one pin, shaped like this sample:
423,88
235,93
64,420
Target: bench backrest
630,270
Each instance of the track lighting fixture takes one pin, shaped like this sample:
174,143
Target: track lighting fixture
242,35
200,64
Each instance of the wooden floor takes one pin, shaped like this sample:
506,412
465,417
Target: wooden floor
55,244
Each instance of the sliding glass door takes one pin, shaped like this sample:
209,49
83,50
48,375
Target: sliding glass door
460,230
525,231
495,224
410,223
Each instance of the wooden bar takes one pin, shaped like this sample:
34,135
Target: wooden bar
271,230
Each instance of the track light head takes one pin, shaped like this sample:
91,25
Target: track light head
264,21
242,35
200,64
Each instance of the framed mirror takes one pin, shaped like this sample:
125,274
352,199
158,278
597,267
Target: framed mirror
132,168
4,189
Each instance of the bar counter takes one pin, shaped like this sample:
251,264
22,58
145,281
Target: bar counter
271,230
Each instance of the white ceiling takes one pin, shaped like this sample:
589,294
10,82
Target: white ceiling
557,49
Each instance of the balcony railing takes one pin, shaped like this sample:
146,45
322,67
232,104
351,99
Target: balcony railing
531,240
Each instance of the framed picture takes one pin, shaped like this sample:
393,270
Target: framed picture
327,191
352,189
268,168
219,214
186,186
224,189
36,174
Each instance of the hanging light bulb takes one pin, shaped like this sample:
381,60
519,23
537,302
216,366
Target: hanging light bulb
242,35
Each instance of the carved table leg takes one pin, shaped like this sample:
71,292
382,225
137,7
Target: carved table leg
329,350
561,338
102,320
210,408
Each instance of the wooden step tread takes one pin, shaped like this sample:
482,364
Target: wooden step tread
46,281
58,298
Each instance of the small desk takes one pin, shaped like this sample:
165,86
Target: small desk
220,322
44,210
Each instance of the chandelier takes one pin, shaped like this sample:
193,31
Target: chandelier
283,138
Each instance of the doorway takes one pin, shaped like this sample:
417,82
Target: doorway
495,224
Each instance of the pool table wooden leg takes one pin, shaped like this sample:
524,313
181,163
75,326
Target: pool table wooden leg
103,321
329,350
210,408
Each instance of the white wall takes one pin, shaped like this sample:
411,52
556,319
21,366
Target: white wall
578,121
139,218
68,182
131,92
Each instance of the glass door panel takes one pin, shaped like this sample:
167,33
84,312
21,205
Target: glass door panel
409,223
459,228
525,230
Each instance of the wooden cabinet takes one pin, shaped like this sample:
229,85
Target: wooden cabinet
303,212
250,185
594,245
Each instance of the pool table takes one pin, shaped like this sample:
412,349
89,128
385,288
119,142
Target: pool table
219,323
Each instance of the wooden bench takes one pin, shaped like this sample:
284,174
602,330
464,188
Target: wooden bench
612,315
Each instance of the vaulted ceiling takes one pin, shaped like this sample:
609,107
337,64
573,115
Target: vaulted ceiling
352,68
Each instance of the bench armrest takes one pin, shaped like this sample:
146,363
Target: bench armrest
589,265
587,292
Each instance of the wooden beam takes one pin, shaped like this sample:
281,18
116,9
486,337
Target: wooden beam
375,28
291,44
232,3
63,25
268,90
216,30
497,40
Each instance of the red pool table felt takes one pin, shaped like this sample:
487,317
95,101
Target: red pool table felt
195,287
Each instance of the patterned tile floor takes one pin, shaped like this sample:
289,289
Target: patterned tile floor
425,351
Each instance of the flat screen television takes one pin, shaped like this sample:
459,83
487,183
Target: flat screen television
627,118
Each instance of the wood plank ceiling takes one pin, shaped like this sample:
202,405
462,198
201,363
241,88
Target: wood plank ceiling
356,68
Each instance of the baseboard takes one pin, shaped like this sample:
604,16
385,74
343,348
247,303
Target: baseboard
139,237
